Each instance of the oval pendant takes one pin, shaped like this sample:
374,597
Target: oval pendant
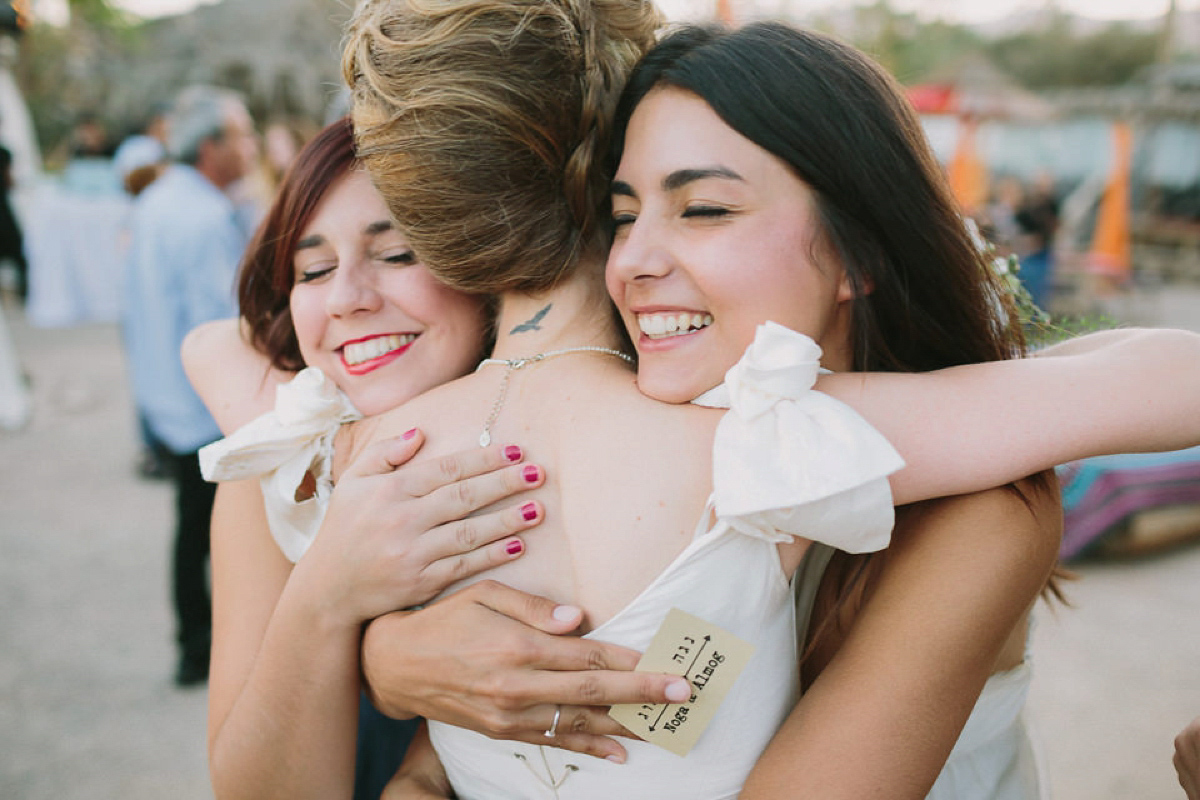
485,439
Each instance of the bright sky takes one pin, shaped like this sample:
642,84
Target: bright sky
960,10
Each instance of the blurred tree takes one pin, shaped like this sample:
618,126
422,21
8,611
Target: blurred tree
67,72
905,44
1053,56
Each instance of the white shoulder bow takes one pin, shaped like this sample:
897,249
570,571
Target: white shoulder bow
282,447
792,461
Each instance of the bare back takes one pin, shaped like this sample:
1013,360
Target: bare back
628,477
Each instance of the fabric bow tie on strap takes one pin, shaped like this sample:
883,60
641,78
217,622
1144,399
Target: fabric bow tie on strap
290,448
794,458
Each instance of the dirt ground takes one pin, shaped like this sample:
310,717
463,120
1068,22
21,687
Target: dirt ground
88,710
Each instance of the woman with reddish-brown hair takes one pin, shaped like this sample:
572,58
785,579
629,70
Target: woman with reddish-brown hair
329,291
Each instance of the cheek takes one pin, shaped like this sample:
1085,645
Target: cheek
306,314
789,288
458,319
308,318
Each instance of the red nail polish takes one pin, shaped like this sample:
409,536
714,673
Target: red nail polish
514,547
529,512
530,474
512,453
408,434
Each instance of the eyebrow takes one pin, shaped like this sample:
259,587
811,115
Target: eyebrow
680,178
316,240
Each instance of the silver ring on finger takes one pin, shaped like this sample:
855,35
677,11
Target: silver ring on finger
552,731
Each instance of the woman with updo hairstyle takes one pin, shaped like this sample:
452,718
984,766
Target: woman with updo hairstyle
523,93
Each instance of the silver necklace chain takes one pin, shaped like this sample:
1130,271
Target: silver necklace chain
514,364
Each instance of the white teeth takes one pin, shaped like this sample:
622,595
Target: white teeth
358,352
660,326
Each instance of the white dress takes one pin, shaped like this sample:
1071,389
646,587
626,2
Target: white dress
787,461
994,757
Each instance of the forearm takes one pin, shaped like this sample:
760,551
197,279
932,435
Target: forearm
283,687
291,730
971,427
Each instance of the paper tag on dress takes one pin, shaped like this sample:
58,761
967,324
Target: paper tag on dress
710,658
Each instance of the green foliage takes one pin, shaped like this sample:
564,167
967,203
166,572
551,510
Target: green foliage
1054,57
1052,330
907,46
67,71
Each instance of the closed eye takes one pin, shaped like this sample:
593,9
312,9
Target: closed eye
310,275
621,219
706,211
404,258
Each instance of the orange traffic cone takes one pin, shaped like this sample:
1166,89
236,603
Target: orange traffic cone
1111,246
967,172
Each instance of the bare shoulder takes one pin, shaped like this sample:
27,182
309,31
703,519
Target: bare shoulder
1009,534
235,381
1026,513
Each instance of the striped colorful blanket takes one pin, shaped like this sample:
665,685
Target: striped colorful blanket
1101,495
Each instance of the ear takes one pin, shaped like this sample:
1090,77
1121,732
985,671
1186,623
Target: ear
845,289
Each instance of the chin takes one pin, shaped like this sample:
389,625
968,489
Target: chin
667,390
371,404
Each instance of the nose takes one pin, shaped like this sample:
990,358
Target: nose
640,253
352,291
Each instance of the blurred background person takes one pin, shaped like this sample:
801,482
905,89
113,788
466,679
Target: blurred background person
12,242
139,160
185,245
89,166
142,155
1036,220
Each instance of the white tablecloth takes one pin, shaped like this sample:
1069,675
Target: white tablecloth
75,243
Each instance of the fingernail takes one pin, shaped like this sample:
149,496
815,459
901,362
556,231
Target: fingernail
408,434
529,512
678,691
514,547
531,474
614,758
512,453
566,613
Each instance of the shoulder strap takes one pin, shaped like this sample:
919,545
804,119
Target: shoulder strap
805,584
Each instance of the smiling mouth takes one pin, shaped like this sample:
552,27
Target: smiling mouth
360,352
663,326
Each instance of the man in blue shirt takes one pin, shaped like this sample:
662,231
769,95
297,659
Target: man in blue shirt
185,246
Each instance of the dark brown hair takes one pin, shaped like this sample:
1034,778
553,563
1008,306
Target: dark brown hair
267,271
926,297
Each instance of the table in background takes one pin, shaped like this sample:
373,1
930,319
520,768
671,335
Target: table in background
74,242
